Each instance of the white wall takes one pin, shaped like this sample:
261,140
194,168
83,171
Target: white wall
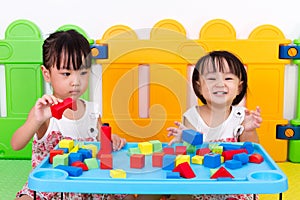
96,16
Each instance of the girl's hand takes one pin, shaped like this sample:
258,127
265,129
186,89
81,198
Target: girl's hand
176,132
252,119
42,110
117,142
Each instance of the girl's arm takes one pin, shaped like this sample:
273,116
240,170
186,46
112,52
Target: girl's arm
252,121
37,122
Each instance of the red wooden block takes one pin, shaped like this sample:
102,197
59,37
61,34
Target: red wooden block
57,110
106,161
137,161
202,151
180,150
168,150
222,173
80,164
55,152
105,140
256,158
157,159
185,170
228,155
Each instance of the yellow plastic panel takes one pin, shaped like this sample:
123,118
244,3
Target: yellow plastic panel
168,53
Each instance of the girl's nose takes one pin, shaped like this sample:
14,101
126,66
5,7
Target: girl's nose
220,82
75,81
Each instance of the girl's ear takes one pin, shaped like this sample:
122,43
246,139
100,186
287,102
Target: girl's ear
240,86
46,73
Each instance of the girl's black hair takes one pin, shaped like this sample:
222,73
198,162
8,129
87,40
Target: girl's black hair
66,50
216,61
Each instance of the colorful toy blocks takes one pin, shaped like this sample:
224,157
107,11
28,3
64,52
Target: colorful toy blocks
157,145
53,153
57,110
185,170
106,161
132,151
228,155
181,159
203,151
60,160
212,160
105,140
145,148
137,161
243,157
86,153
191,149
172,175
65,143
80,164
256,158
180,150
72,171
117,173
192,137
168,162
169,150
233,164
221,173
248,146
73,157
91,163
157,159
197,160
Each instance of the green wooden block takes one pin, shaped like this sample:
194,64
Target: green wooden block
60,160
91,163
133,151
157,145
189,148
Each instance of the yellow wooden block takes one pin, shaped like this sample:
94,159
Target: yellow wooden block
145,148
91,147
117,173
217,149
75,149
64,143
182,158
197,159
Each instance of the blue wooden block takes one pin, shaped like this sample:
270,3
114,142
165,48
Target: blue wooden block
168,162
86,153
99,51
192,137
212,160
72,171
73,157
249,147
227,146
233,164
243,157
173,175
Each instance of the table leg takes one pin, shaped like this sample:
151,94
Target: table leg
34,195
62,196
254,196
280,196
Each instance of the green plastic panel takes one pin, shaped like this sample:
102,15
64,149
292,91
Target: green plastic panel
7,127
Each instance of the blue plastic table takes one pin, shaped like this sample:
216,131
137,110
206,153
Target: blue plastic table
252,178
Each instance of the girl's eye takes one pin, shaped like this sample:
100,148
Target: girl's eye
66,74
228,78
83,73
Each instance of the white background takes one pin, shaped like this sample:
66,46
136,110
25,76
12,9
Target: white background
96,16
